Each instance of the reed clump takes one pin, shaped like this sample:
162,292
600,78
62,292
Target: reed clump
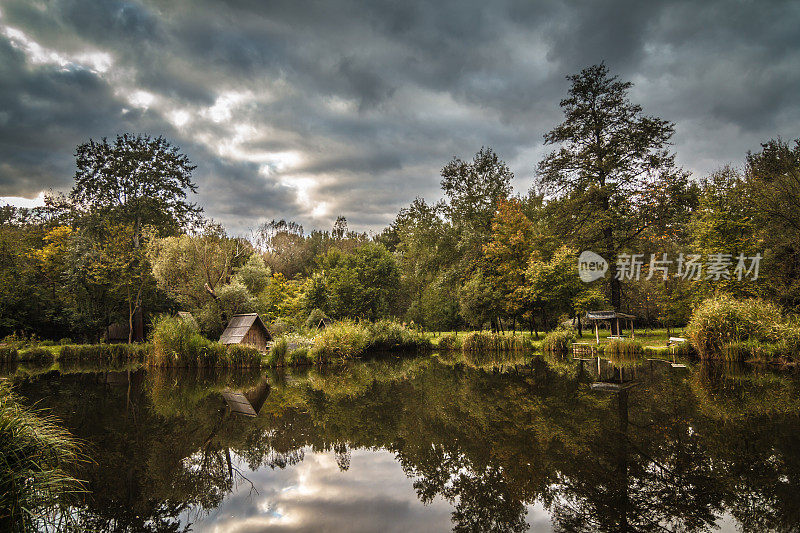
391,335
622,347
36,355
559,341
340,341
449,342
115,354
35,457
490,342
8,354
723,327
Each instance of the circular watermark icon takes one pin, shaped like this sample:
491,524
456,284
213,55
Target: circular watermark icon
591,266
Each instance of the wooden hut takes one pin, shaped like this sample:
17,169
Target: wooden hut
247,329
610,317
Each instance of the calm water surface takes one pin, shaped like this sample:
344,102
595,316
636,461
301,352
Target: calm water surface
540,443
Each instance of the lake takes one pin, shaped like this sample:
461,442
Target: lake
536,443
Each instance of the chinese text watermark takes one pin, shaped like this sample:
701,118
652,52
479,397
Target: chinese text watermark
715,267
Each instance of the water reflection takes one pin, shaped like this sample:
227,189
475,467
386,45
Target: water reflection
457,444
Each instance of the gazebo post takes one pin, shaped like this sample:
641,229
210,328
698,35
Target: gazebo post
596,332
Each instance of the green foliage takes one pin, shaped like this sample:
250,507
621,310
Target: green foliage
177,343
36,354
363,284
277,353
622,347
449,342
391,335
487,342
725,327
255,275
480,300
314,318
35,458
115,354
136,179
559,341
299,357
340,341
8,354
608,154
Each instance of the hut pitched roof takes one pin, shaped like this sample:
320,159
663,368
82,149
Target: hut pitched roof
238,327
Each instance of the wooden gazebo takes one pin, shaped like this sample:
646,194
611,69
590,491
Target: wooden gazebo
610,317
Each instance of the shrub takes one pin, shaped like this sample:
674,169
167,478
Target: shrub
239,356
720,325
299,356
177,343
340,341
278,327
391,335
65,341
36,354
277,354
8,354
487,342
314,317
35,455
622,347
103,353
449,342
559,341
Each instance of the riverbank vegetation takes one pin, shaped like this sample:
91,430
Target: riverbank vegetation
36,455
125,244
737,330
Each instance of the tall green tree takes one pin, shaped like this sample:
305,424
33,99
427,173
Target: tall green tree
608,152
473,190
774,177
136,180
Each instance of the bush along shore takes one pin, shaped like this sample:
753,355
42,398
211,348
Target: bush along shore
725,328
345,340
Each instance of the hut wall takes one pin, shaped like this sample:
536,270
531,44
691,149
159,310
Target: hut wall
255,337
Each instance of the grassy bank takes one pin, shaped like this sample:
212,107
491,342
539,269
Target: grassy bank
35,456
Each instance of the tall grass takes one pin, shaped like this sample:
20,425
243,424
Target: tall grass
559,341
178,343
391,335
8,354
723,327
348,339
488,342
35,457
449,342
340,341
37,355
116,354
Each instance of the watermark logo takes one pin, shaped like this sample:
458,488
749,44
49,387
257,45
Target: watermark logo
591,266
716,267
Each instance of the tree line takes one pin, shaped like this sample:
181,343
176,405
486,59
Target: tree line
128,238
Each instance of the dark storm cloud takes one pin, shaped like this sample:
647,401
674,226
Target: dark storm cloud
307,110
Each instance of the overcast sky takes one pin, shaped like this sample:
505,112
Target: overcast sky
309,110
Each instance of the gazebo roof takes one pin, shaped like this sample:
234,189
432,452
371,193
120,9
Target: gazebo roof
607,315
